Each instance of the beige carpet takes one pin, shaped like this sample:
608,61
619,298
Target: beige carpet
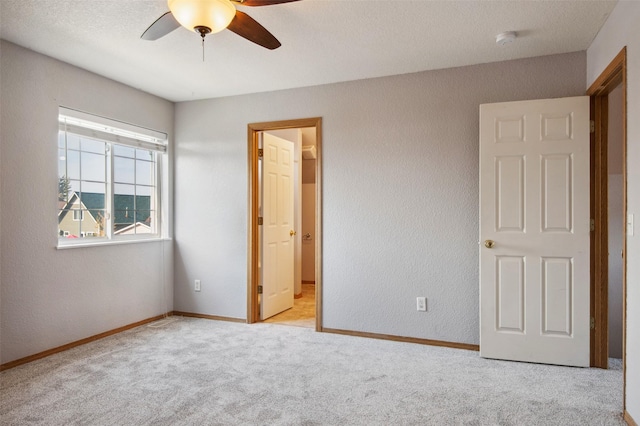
202,372
303,313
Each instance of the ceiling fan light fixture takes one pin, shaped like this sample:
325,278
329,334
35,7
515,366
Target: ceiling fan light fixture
197,15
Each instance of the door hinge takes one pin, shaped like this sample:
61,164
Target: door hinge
593,225
260,152
259,221
592,126
593,323
259,289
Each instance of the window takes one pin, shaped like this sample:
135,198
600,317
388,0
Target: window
109,176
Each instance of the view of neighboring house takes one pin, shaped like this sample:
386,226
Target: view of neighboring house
136,228
83,215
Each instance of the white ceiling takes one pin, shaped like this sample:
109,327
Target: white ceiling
323,41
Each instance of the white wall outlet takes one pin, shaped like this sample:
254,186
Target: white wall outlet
196,285
421,303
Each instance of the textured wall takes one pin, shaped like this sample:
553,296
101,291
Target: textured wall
622,29
52,297
400,192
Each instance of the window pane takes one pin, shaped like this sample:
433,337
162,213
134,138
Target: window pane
61,139
64,188
99,217
145,222
75,185
123,208
123,189
92,145
67,227
92,223
94,187
94,202
93,167
143,154
124,151
123,170
73,141
144,190
144,172
143,216
73,164
62,163
143,202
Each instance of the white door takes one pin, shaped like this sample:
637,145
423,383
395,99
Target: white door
534,231
277,269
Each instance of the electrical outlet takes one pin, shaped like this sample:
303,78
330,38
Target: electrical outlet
196,286
421,304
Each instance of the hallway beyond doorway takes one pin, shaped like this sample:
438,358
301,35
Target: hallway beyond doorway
303,313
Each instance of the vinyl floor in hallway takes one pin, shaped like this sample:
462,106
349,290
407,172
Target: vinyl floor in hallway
303,313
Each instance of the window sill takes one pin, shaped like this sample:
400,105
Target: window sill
64,246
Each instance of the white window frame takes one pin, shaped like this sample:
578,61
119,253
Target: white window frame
124,134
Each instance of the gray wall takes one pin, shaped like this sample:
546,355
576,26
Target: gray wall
621,29
52,297
400,192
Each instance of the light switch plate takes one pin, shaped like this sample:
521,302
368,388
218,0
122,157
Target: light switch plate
421,304
630,224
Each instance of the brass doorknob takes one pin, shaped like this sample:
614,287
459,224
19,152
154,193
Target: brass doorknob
292,233
489,243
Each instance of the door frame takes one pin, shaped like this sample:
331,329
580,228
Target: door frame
253,130
615,74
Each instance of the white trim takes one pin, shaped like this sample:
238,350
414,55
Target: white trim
104,242
107,122
111,130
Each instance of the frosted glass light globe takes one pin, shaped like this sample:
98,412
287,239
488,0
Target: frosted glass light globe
213,14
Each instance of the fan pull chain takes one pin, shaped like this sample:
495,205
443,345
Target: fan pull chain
203,31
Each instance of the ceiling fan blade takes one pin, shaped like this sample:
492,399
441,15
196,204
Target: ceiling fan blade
262,2
161,27
247,27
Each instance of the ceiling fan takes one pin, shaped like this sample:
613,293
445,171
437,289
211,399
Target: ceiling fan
212,16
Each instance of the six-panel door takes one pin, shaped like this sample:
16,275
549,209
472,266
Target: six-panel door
534,214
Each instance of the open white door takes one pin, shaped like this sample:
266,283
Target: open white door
534,231
277,269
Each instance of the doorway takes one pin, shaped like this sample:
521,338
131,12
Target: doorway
308,238
603,92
